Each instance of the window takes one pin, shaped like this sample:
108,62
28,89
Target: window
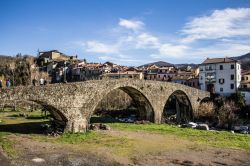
221,89
232,66
232,86
221,67
159,76
201,68
242,78
221,81
232,77
246,78
201,77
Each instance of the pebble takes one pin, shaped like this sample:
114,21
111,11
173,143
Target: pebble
38,160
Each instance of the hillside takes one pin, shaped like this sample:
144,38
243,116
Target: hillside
245,61
245,57
158,63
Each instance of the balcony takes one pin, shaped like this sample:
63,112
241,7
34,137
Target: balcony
210,79
210,69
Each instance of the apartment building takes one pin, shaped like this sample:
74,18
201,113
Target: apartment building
220,75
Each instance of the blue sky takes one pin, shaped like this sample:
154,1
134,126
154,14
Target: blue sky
128,32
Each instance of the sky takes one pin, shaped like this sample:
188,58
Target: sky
127,32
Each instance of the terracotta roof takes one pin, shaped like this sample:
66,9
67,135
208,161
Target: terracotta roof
218,60
245,72
181,78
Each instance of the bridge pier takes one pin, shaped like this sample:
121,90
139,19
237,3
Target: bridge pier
76,125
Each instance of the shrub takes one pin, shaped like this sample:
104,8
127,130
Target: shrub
206,110
227,114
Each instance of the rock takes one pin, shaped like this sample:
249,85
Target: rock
202,127
104,127
232,131
99,126
38,160
93,127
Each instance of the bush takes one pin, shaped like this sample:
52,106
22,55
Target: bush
227,114
239,99
206,110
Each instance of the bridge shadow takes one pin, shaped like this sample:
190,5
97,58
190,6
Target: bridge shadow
23,128
104,119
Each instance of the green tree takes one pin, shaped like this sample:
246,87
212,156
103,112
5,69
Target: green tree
22,74
239,99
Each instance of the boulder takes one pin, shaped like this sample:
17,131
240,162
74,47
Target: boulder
99,126
104,127
93,127
202,127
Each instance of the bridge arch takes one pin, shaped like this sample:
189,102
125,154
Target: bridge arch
58,116
178,108
144,107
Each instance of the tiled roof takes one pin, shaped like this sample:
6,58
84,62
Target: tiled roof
245,72
218,60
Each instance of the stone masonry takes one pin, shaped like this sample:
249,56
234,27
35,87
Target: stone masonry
73,104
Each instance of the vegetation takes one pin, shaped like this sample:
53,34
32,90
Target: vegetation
239,99
228,114
214,138
22,72
121,101
17,69
206,110
7,145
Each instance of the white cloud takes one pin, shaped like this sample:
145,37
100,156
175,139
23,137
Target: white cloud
131,24
221,33
220,24
221,50
170,50
146,40
98,47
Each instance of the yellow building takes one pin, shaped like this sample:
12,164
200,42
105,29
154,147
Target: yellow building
245,79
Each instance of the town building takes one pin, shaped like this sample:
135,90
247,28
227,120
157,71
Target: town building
245,79
86,71
220,75
46,57
165,73
151,72
128,73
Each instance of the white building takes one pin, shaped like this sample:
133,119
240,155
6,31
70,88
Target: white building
220,75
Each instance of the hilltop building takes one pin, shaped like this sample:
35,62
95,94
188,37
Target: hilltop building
46,57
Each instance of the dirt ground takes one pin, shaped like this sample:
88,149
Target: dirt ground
149,149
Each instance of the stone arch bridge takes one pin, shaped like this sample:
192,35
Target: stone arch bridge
72,104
